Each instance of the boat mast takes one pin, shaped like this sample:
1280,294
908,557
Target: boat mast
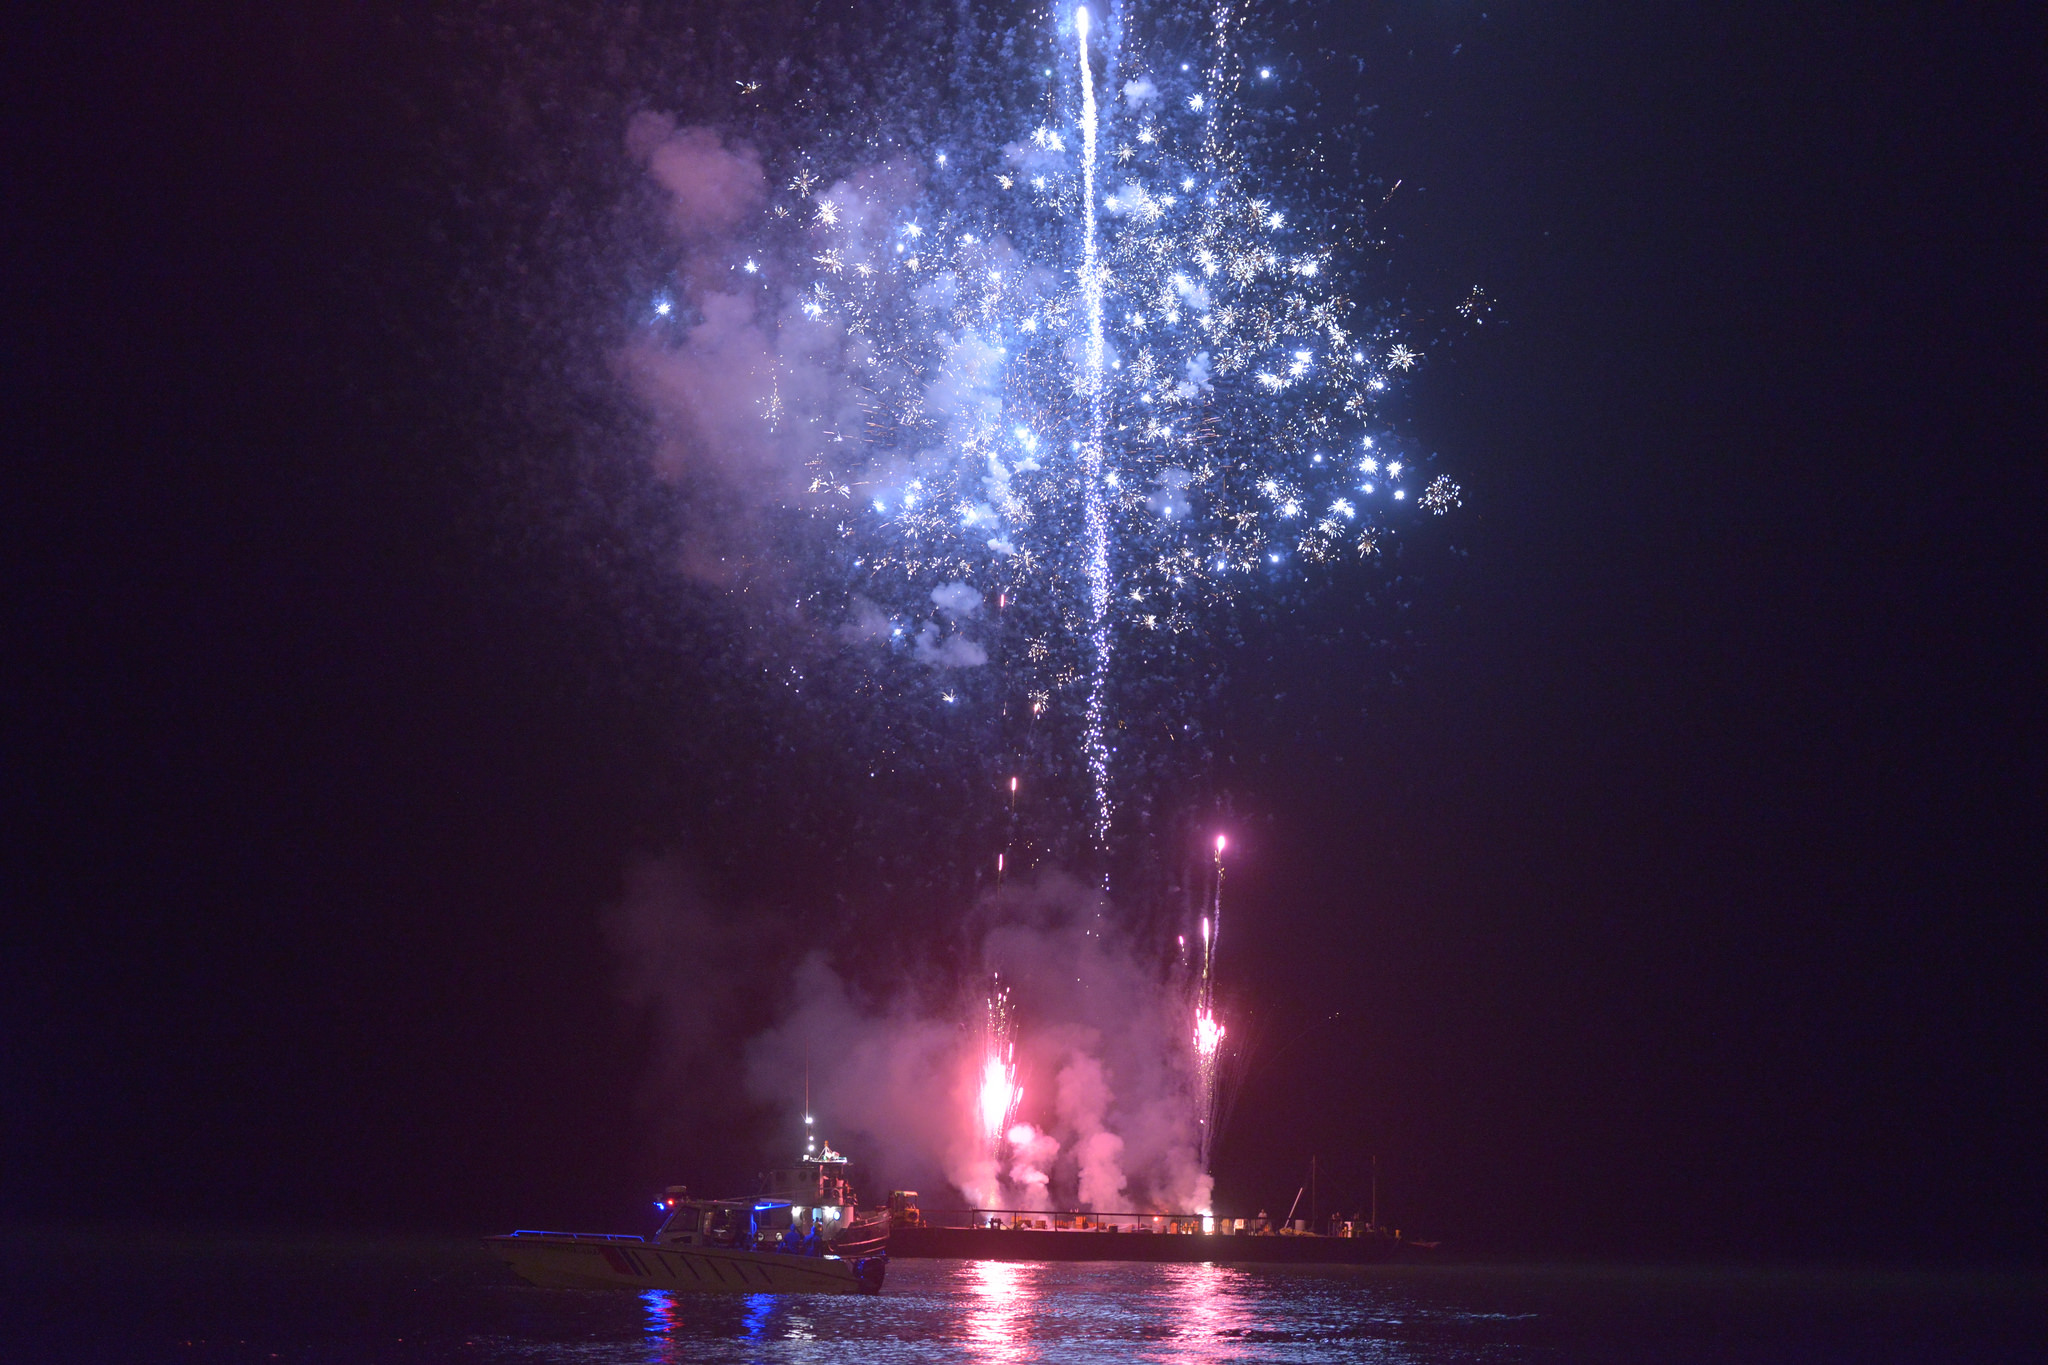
810,1132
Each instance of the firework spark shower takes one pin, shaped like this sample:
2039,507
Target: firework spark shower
1013,417
1052,393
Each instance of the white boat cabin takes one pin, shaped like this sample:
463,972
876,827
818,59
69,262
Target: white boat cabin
804,1209
818,1185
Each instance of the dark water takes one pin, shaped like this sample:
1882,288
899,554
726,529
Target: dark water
123,1297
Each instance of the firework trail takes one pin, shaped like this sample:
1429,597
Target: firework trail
1093,744
998,1094
1209,1031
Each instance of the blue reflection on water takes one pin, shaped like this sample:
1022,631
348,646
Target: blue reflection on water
662,1321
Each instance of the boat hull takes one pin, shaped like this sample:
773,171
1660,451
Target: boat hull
566,1261
1032,1244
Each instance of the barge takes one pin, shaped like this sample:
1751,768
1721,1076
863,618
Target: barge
1039,1235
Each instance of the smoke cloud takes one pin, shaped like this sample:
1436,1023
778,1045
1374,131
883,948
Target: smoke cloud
713,186
953,651
747,380
1107,1120
744,384
956,599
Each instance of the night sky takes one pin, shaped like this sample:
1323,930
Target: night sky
1672,887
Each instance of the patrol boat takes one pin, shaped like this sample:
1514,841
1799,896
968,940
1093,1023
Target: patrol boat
812,1243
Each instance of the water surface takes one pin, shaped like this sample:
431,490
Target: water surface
157,1297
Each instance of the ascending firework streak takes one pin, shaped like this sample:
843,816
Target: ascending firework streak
999,1093
1093,743
1208,1031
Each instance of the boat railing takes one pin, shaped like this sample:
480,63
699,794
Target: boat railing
1132,1220
581,1236
1079,1220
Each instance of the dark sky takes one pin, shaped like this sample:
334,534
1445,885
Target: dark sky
1683,896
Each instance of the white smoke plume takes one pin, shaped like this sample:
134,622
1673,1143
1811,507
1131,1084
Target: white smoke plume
1032,1155
714,185
957,599
867,624
951,651
1084,1098
749,381
955,602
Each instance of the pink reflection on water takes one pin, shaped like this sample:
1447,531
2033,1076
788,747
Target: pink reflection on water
1004,1298
1209,1310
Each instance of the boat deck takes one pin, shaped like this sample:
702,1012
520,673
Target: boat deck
1044,1244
